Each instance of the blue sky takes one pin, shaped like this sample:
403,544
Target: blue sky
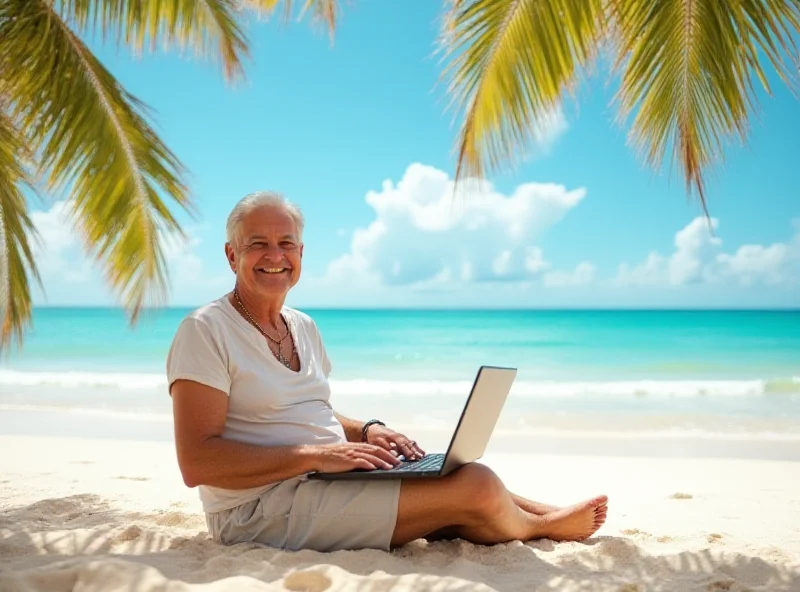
358,134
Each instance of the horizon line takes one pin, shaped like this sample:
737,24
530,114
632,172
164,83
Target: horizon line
452,308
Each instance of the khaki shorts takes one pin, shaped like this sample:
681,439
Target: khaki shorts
320,515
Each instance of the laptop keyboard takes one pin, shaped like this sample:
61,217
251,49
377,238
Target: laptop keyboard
431,462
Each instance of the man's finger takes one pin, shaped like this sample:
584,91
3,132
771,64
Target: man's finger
413,447
363,463
374,461
418,452
387,444
408,449
381,463
384,454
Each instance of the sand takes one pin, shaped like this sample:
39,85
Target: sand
87,514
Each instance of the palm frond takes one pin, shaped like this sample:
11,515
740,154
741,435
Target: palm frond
209,27
510,63
16,231
688,72
93,140
322,11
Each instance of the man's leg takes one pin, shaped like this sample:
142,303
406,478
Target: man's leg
472,503
530,506
449,533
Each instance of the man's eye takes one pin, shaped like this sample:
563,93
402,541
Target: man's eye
287,244
256,245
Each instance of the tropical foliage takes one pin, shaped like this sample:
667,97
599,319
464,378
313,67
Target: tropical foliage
687,71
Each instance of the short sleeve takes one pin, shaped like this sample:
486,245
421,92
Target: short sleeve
196,355
323,354
319,346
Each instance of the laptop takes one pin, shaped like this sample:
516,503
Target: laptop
475,426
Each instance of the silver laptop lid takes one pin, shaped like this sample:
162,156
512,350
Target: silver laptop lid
479,417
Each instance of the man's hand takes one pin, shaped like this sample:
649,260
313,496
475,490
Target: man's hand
338,458
395,443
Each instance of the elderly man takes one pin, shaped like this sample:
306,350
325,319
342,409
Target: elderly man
248,377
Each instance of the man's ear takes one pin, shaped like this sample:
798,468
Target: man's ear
230,255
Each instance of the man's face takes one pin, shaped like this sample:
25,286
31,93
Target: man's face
266,256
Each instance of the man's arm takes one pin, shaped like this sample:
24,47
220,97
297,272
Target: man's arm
205,458
352,427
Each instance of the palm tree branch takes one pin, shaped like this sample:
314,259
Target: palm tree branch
93,140
510,62
323,11
209,27
687,72
17,264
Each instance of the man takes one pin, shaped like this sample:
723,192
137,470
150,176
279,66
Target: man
248,378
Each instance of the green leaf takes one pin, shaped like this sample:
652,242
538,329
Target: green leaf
510,61
16,230
210,27
688,73
322,11
92,140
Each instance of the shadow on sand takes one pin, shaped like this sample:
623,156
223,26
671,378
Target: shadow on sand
82,543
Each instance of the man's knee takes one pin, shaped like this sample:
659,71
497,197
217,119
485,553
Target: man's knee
481,490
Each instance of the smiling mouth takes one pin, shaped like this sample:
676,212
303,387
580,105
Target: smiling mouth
272,270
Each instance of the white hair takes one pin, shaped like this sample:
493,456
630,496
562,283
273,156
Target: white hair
256,200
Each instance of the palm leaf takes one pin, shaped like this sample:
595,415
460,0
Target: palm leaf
210,27
322,11
93,140
510,63
16,229
688,72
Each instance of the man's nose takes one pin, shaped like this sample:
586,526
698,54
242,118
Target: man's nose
273,252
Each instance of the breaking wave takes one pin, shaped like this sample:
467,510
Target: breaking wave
22,380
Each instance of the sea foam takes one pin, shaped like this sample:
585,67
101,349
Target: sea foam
9,379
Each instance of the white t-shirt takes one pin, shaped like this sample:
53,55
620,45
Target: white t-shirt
269,404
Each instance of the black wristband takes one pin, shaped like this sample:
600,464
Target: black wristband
367,425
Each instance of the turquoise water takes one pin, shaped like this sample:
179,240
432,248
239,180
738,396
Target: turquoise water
740,366
448,345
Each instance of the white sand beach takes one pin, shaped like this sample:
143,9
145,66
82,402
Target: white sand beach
89,514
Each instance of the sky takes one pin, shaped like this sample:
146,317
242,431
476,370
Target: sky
358,133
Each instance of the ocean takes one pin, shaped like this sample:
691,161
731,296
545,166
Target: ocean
671,373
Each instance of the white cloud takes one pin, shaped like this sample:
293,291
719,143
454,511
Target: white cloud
57,251
185,266
548,128
582,275
502,263
693,245
753,263
70,276
697,259
534,260
421,234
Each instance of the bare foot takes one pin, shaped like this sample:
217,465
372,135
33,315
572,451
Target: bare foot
600,514
534,507
542,509
538,508
575,523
